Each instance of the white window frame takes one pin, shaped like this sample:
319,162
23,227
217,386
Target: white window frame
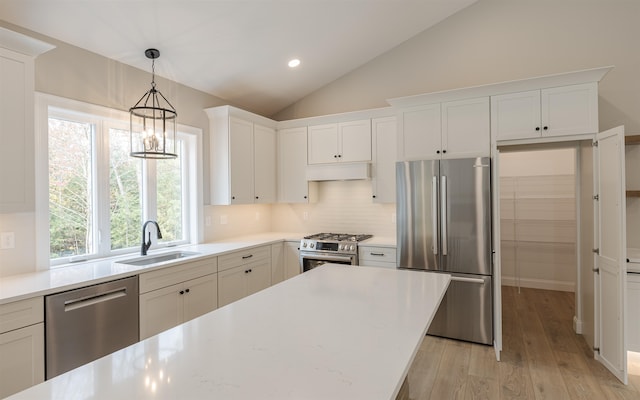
104,118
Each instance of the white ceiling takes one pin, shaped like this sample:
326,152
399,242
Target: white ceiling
236,49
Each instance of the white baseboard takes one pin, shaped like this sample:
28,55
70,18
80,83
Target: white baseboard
563,286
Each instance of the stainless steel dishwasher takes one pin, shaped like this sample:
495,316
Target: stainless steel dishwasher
85,324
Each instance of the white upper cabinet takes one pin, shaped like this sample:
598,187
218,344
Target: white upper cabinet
452,129
243,157
341,142
558,111
419,136
292,163
465,128
383,181
264,167
17,134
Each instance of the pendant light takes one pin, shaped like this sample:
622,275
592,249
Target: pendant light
152,120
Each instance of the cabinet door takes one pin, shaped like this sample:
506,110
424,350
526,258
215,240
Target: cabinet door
277,263
354,141
516,115
16,133
292,158
465,128
200,296
570,110
259,276
21,359
241,160
383,182
264,145
633,304
160,310
420,137
323,144
291,259
232,285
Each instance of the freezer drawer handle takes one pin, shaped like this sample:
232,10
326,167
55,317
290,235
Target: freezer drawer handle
467,280
377,254
74,304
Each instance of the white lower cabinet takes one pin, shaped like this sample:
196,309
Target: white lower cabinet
377,256
243,280
291,259
168,300
633,304
242,273
21,345
277,263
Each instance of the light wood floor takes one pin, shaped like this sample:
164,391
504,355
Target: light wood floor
542,358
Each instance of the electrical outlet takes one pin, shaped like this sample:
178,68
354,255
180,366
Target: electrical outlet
305,215
224,219
257,216
207,220
393,218
7,240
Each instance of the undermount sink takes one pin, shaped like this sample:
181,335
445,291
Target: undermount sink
155,259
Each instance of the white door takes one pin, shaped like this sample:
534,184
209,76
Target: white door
264,150
241,155
323,144
610,259
497,270
355,141
465,128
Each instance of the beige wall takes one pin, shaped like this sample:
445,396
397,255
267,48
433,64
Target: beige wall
500,40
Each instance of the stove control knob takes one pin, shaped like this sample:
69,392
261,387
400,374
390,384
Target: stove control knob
352,247
312,245
341,247
304,244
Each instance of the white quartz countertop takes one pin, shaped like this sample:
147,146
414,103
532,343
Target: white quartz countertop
17,287
334,332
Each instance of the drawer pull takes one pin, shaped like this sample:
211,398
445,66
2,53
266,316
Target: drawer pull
377,254
245,257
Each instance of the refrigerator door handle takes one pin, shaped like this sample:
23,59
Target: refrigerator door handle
467,280
443,213
434,213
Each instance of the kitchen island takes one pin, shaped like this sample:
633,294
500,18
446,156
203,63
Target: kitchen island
334,332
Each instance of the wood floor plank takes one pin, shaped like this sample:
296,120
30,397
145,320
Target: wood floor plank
453,374
542,358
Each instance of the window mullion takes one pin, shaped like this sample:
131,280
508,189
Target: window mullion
102,228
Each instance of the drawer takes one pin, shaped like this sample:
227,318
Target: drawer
242,257
177,274
378,254
21,313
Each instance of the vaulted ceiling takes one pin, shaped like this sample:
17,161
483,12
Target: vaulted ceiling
236,49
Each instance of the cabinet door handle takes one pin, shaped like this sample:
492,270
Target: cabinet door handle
305,197
377,254
182,292
335,156
444,151
256,197
245,257
537,128
437,151
187,291
246,271
545,128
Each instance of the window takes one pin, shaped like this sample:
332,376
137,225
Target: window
99,196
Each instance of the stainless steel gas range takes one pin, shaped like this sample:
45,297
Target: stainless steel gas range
321,248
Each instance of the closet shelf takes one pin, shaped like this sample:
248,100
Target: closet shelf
633,139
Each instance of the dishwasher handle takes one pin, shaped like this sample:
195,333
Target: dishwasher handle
87,301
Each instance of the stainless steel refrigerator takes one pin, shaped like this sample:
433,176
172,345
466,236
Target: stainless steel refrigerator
444,225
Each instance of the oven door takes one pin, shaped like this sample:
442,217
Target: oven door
311,260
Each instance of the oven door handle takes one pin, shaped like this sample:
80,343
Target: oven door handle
324,257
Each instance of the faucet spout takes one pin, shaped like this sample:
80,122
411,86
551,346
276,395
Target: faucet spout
147,244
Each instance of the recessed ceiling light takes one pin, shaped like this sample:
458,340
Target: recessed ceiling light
294,63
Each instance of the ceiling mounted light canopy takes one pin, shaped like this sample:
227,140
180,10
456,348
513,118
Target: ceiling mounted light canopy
152,120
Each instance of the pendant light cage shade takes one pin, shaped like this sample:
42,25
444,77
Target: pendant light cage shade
153,123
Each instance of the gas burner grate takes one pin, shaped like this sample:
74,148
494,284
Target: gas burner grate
339,237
